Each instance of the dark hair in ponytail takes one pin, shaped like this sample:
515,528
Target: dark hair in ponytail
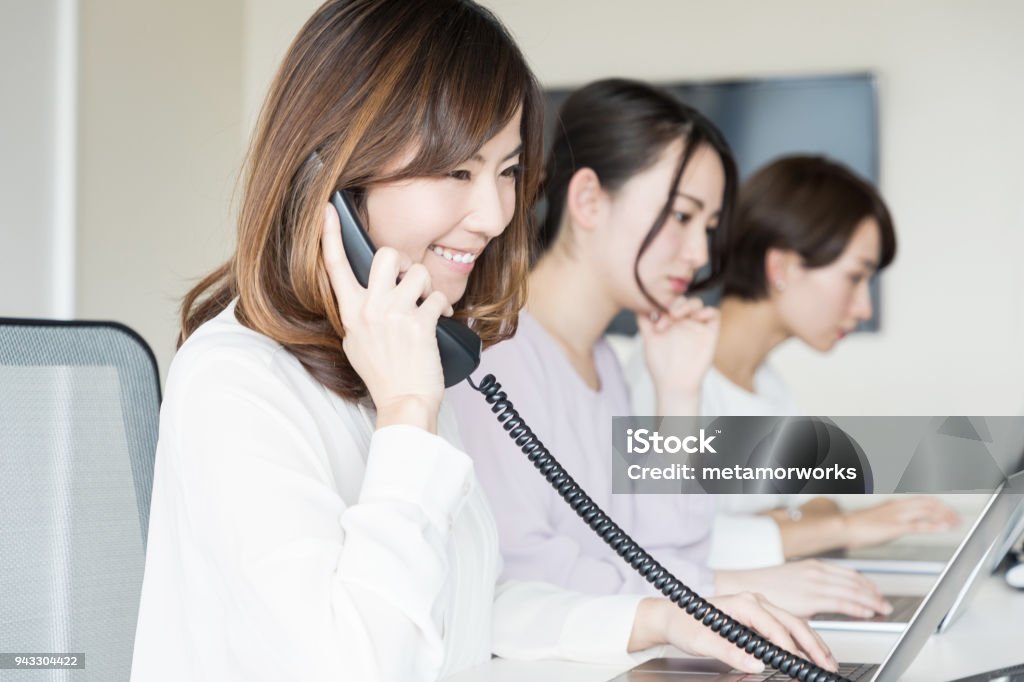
808,204
617,128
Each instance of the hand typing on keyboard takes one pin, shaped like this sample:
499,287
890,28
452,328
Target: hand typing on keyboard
807,587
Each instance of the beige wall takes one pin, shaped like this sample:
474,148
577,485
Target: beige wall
34,158
950,94
160,123
950,91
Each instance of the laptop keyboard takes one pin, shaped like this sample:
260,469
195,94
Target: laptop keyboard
903,608
851,671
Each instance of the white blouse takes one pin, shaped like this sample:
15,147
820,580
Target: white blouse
771,397
289,539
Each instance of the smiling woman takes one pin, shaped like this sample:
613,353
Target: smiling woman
313,515
447,222
311,509
400,128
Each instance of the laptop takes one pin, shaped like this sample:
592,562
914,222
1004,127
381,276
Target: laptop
931,559
972,556
904,606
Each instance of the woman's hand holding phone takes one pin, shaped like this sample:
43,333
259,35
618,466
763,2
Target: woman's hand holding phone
390,337
678,347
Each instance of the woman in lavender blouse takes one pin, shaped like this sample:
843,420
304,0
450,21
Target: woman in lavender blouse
636,182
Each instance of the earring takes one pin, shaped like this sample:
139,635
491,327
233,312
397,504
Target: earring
780,285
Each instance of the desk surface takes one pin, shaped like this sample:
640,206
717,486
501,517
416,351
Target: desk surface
987,635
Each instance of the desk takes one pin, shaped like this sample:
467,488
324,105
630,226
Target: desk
988,635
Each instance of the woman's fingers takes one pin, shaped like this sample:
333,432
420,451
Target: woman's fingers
931,509
853,603
434,306
808,640
850,577
682,310
343,281
388,340
685,307
706,314
730,654
789,632
927,526
895,518
846,591
653,323
416,289
388,265
752,612
415,284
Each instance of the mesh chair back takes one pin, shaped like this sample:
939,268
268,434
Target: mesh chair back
79,413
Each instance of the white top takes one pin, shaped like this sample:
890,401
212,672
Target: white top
771,397
289,539
739,539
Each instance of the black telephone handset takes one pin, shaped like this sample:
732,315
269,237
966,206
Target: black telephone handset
458,344
460,355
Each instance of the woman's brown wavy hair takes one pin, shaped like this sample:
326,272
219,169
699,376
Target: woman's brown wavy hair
364,82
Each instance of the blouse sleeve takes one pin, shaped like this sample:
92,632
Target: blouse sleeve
311,587
744,541
534,620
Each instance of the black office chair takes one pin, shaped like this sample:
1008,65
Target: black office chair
79,413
